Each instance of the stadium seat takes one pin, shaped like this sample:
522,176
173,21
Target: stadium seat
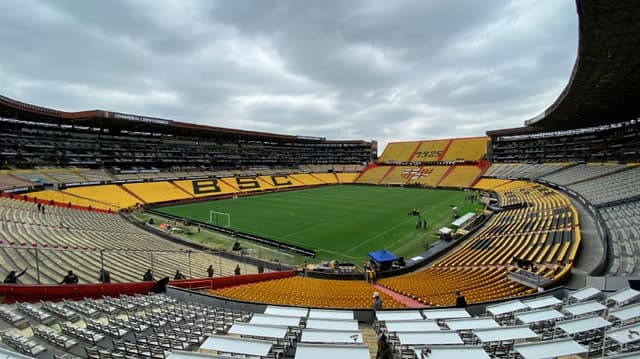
373,175
310,292
206,187
397,152
327,178
78,238
307,179
154,192
461,176
545,232
347,177
466,149
428,176
430,151
110,194
65,198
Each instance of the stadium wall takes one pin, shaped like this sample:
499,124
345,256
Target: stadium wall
10,293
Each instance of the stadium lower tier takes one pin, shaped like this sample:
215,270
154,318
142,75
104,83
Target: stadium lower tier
118,196
313,292
541,228
438,285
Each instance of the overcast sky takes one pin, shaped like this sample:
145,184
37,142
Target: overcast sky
384,70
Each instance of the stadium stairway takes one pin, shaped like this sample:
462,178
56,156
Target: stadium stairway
369,338
409,302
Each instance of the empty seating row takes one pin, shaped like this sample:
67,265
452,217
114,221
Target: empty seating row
459,176
523,170
623,221
582,172
614,187
450,150
308,292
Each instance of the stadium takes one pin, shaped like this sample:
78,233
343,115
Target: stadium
266,245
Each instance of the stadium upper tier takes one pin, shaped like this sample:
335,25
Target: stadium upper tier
623,223
435,151
618,142
36,136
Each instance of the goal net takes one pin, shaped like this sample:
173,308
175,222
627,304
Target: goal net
220,219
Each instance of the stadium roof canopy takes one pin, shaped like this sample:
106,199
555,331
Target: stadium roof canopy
604,87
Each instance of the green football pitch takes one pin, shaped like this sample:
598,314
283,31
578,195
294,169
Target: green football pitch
342,222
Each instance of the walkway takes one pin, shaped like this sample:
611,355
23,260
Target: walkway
591,249
409,302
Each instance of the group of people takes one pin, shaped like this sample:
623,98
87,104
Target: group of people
420,223
105,277
12,277
40,207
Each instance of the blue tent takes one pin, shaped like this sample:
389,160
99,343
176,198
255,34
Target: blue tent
383,258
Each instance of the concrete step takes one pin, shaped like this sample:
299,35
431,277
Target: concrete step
370,338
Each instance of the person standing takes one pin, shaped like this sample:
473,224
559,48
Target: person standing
178,275
260,268
384,349
105,276
237,270
12,277
377,301
148,276
210,271
461,301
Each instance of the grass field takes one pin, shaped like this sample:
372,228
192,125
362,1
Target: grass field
339,222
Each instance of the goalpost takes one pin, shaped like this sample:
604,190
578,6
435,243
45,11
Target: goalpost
220,219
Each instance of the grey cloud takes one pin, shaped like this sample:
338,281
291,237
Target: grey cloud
366,70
